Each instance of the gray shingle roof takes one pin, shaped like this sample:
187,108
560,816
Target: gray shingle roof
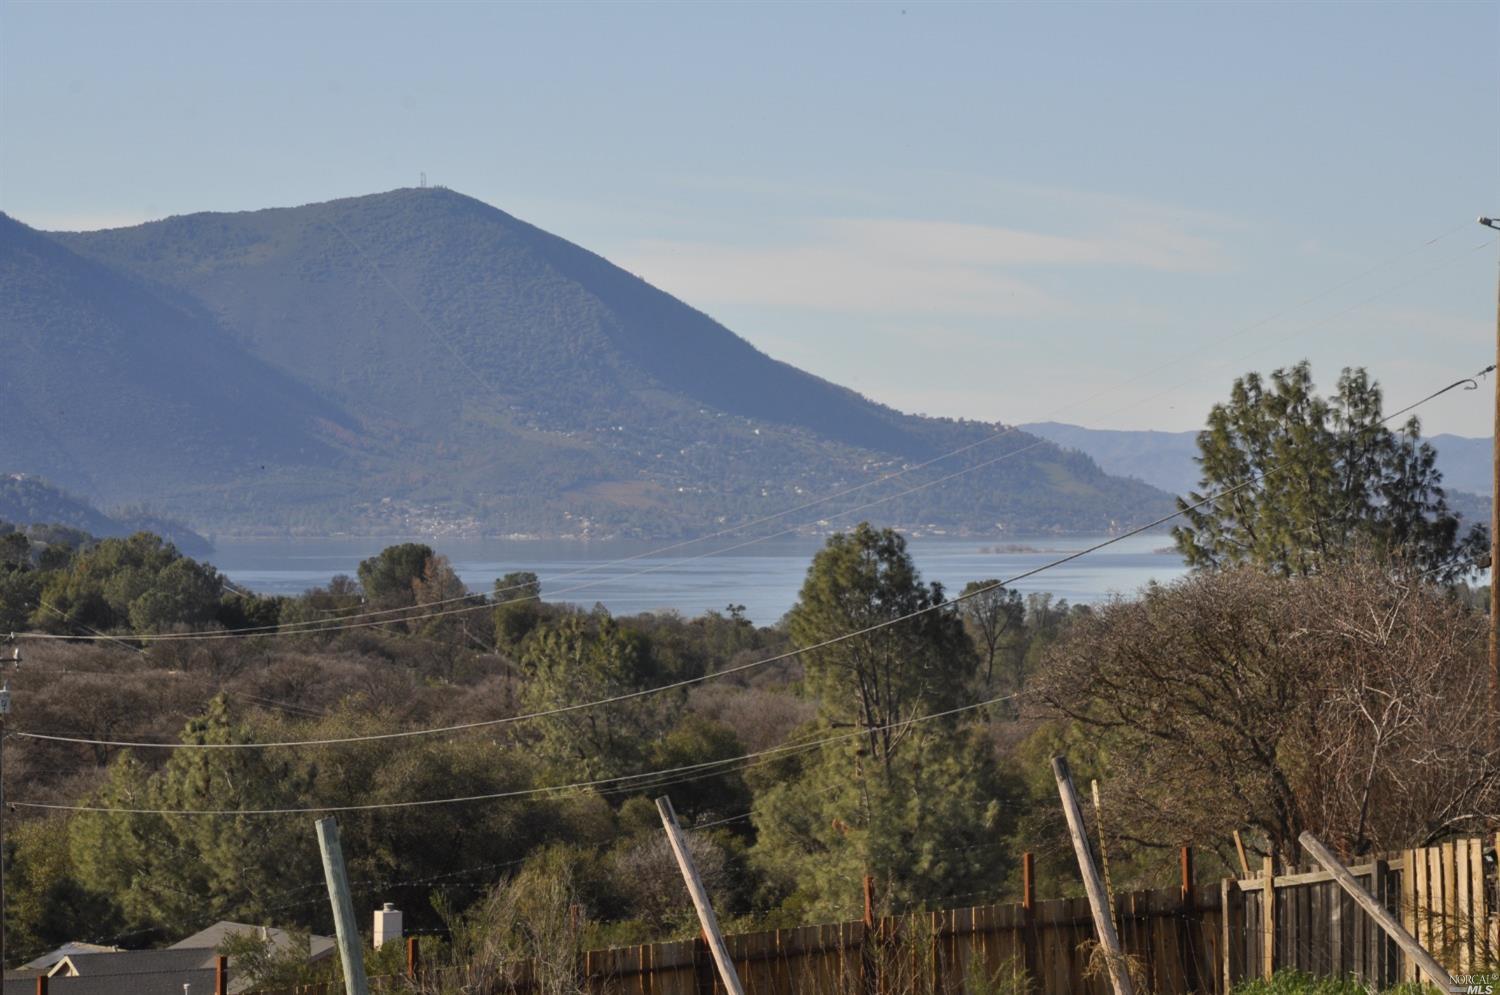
214,936
150,983
125,962
48,959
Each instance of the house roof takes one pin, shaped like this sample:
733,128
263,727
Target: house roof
127,984
48,959
130,962
214,936
162,980
85,969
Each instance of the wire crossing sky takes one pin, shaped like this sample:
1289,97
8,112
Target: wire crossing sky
1184,507
1034,193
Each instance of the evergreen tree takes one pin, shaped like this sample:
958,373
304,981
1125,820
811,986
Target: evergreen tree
583,659
1314,479
518,607
907,802
876,680
390,578
173,873
933,828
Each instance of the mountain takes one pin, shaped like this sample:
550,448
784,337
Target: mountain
418,361
1166,460
131,393
1161,459
26,501
1465,462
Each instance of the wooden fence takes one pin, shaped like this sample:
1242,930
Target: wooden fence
1444,895
1189,939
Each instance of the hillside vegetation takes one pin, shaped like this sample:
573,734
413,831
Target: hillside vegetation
886,727
129,393
419,361
27,501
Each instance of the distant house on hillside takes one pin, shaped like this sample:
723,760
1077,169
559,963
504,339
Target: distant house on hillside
122,972
88,969
210,940
47,960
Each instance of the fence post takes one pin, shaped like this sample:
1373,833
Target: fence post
413,958
1383,918
1406,904
1494,938
1268,918
41,984
1228,889
1380,881
1190,920
221,975
1104,925
1029,959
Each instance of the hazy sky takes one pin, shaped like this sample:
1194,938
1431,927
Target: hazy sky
1009,212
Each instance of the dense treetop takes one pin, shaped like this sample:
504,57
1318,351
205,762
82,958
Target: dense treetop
1295,480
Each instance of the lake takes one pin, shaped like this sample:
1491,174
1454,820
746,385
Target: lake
764,577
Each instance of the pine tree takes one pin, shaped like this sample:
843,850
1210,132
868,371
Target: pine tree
1298,480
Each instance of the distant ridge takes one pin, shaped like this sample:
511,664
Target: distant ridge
26,501
1165,459
418,361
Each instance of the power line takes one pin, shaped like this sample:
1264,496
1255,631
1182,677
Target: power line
624,780
318,625
787,655
728,671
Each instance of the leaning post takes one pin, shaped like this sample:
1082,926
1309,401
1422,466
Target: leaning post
1119,974
699,894
346,927
1378,912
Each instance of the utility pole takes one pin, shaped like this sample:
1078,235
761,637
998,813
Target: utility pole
345,926
1495,513
4,711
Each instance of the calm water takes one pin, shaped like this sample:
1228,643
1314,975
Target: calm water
764,577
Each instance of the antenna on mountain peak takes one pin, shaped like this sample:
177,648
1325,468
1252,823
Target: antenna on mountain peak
423,183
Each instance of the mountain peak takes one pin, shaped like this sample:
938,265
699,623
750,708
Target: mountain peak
469,361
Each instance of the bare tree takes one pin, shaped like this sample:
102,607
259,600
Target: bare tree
1346,702
990,612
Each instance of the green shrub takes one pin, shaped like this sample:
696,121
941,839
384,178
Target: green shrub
1301,983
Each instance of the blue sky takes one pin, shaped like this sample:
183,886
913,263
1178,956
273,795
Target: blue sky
1098,213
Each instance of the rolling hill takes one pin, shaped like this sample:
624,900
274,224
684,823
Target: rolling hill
27,501
130,394
1166,460
418,361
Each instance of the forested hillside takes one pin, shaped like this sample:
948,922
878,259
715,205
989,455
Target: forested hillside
127,392
27,501
886,727
447,367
